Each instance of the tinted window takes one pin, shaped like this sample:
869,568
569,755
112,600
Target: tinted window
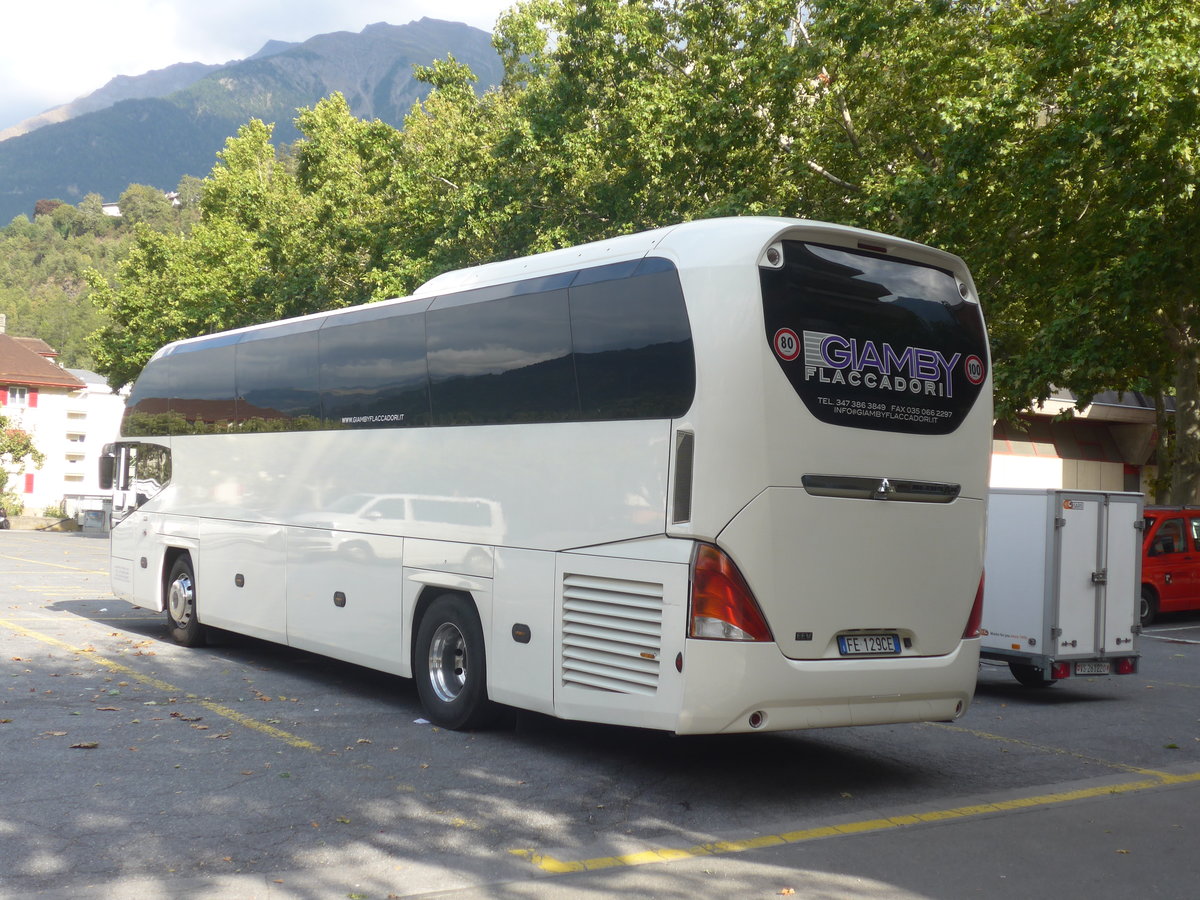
202,389
277,383
373,370
501,361
147,411
614,345
633,345
874,342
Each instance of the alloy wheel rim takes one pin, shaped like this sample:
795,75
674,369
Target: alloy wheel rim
448,662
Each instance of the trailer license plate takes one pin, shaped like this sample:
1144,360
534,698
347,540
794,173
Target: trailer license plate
868,644
1092,668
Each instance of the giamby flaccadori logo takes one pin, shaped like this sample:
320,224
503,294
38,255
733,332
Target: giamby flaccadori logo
877,365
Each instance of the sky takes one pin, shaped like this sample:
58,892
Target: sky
53,51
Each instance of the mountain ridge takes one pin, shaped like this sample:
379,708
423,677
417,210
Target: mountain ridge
157,138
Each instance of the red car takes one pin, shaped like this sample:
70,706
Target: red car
1170,561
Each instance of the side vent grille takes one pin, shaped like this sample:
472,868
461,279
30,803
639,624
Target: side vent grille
612,634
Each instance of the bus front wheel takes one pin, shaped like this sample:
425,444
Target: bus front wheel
450,668
185,628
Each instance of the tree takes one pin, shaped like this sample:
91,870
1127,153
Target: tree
42,286
1053,144
17,452
142,204
250,258
92,217
45,207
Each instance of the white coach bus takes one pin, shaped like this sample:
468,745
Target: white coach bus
724,476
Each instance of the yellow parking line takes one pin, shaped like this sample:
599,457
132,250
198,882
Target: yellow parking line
39,562
148,680
552,865
1043,748
103,620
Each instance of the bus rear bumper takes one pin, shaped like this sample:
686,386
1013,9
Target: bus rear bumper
738,688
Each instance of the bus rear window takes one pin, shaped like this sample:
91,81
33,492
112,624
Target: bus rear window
876,342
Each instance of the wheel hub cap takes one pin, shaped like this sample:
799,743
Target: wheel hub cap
180,600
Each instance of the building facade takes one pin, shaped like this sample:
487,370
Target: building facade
71,416
1107,446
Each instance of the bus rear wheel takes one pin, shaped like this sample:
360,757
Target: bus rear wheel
450,667
185,628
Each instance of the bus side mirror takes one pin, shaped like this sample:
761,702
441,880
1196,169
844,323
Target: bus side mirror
108,466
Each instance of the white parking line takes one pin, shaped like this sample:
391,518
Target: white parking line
1169,640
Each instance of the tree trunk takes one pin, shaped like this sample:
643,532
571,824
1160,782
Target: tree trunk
1163,445
1185,471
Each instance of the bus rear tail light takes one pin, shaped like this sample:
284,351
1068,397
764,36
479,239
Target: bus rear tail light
975,620
722,606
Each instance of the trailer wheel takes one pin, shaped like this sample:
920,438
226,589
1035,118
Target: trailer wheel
185,628
1029,676
1148,609
450,666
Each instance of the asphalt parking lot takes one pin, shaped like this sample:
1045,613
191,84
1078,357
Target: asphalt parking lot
130,767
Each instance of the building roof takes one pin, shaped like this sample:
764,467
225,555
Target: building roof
38,346
20,365
1128,406
89,377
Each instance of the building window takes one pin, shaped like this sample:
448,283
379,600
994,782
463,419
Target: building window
18,396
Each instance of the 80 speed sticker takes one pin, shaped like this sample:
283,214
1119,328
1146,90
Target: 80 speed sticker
787,344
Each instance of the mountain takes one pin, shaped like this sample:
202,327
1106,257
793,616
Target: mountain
156,128
156,83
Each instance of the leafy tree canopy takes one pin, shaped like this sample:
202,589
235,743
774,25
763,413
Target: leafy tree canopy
17,452
1052,143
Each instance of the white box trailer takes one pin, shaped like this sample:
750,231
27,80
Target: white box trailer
1063,575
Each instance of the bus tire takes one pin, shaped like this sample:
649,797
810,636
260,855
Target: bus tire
1029,676
1147,607
450,666
182,622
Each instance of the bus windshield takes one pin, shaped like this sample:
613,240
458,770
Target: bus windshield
873,342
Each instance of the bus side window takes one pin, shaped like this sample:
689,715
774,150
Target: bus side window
140,471
152,471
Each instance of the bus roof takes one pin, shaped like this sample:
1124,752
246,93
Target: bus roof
715,239
702,241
